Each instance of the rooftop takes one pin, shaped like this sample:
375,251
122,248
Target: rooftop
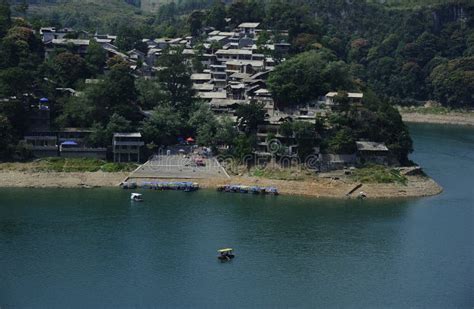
136,134
203,87
70,41
249,25
226,102
234,52
212,95
201,76
349,94
254,63
370,146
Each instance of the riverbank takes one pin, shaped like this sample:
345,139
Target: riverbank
415,186
437,116
31,179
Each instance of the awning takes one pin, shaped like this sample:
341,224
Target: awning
69,143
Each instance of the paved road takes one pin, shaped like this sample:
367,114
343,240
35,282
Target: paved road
179,166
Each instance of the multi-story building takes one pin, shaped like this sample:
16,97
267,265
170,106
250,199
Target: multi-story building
127,147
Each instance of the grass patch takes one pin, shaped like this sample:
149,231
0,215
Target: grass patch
118,167
378,174
278,173
68,165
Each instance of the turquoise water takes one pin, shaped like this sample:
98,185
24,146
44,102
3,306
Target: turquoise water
93,248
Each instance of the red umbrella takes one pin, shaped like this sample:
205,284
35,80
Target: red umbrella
190,140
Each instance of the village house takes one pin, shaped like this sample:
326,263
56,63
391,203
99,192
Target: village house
50,33
248,29
355,98
127,147
78,46
372,152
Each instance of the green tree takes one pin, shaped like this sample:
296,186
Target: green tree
226,132
175,79
128,37
342,100
242,146
102,137
246,11
67,68
453,82
216,16
341,142
5,17
249,116
78,111
195,22
150,94
204,123
20,47
305,136
22,7
308,76
116,94
14,81
95,58
6,137
162,127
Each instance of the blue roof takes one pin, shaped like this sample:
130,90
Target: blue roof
42,100
70,143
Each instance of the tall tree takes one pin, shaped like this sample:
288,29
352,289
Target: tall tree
308,76
67,68
216,16
95,58
162,127
175,78
5,17
6,137
195,22
249,116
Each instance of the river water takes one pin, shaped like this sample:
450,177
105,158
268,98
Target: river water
93,248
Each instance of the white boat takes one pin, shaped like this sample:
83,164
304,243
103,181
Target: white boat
136,197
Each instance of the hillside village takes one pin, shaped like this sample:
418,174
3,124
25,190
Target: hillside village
234,73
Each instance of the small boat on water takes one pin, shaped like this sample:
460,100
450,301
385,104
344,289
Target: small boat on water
136,197
225,254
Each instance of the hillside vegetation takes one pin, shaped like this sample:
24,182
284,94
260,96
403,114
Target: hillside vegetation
422,50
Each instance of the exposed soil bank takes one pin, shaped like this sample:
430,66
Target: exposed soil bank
416,186
28,179
454,118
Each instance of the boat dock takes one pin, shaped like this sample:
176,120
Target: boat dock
248,189
162,185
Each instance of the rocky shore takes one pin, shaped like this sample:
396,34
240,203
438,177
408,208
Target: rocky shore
416,186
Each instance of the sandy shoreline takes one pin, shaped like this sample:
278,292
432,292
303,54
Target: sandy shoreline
22,179
417,186
466,119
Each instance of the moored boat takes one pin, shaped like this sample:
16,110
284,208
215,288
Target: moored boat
248,189
136,197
